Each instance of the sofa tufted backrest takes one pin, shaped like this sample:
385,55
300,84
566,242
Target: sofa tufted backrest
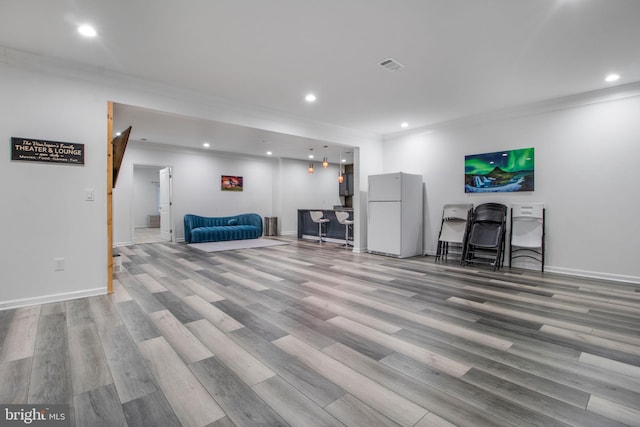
194,221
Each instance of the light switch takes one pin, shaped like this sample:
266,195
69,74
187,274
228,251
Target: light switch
90,195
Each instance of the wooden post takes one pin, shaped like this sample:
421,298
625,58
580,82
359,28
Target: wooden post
110,197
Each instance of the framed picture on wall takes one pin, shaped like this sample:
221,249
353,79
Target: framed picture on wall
499,172
231,183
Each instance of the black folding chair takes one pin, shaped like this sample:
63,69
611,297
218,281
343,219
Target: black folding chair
487,232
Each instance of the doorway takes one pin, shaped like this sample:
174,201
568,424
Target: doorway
151,204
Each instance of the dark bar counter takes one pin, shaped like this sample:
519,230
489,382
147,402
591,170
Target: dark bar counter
333,229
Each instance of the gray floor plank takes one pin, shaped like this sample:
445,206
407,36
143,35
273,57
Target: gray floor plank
407,383
291,326
5,321
53,308
137,321
236,398
212,313
388,402
535,401
175,286
150,410
178,307
130,374
144,298
352,412
250,320
222,422
192,404
294,407
359,343
51,370
569,382
14,381
89,368
180,338
104,313
20,339
314,335
98,408
247,367
202,291
424,354
307,381
78,312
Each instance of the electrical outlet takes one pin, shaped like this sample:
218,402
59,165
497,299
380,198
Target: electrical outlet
58,264
90,195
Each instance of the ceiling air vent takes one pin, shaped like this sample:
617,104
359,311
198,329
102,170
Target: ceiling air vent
391,64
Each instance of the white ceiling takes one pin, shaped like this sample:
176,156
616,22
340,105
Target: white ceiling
461,57
149,126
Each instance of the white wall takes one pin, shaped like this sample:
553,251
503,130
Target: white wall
585,172
302,190
196,185
272,187
44,209
44,213
146,183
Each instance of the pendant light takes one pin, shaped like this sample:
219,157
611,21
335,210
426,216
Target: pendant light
325,162
340,174
311,162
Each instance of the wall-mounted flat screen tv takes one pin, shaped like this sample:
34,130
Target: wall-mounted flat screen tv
119,146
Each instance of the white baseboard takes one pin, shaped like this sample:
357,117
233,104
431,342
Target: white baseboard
593,274
115,245
584,273
23,302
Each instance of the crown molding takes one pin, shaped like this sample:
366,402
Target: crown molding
583,99
272,120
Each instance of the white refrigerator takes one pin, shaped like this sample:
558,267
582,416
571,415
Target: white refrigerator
394,217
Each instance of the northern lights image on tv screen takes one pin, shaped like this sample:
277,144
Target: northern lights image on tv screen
502,171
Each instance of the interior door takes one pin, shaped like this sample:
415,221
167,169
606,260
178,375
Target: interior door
166,224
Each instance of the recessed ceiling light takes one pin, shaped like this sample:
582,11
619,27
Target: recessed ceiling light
404,125
269,153
612,77
206,145
310,97
87,31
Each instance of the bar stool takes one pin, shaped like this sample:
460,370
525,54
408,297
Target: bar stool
343,218
317,217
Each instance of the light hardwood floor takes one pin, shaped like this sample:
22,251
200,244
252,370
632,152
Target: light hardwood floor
315,335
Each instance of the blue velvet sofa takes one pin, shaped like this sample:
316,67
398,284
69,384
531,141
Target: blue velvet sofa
214,229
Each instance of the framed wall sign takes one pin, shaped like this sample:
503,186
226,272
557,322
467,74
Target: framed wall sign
499,172
39,150
231,183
